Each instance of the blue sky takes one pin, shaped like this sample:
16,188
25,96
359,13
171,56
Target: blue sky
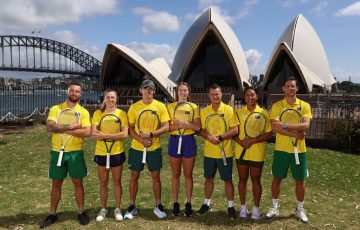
154,28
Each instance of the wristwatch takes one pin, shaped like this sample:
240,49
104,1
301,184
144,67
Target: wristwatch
151,134
221,138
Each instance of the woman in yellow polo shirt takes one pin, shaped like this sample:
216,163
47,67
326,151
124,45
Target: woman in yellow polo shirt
117,153
186,157
253,160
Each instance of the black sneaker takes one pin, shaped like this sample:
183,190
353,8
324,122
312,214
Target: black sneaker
176,209
232,213
204,209
49,220
83,218
188,210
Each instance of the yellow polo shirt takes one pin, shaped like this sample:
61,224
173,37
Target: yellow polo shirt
171,108
283,143
257,151
118,146
133,115
74,143
211,150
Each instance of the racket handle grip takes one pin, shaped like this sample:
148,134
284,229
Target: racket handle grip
108,160
179,145
60,157
296,155
224,158
242,154
144,156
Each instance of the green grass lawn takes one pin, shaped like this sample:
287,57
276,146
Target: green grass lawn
332,196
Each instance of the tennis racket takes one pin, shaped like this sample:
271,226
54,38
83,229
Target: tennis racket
66,117
183,112
215,125
255,125
148,122
292,116
109,124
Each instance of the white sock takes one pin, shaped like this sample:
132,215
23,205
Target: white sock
275,203
300,205
207,202
231,203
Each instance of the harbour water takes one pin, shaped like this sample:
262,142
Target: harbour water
21,102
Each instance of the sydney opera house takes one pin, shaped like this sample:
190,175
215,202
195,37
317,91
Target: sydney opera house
210,52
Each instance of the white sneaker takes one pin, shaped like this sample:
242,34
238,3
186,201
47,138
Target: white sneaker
255,214
160,212
130,213
273,212
117,214
301,215
244,212
101,215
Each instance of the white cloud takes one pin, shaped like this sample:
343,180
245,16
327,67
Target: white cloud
243,13
319,8
287,3
224,14
70,38
253,58
191,16
206,3
352,10
30,14
150,51
251,2
343,75
157,20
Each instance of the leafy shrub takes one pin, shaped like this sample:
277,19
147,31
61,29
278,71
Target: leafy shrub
345,132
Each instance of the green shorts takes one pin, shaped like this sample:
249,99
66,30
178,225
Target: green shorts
282,161
72,162
153,160
212,164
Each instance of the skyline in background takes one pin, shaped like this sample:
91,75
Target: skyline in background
155,28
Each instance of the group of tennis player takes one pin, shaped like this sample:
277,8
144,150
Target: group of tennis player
146,120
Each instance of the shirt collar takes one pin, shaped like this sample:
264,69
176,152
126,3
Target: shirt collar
221,108
286,104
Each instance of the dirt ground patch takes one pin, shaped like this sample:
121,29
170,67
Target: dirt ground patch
13,129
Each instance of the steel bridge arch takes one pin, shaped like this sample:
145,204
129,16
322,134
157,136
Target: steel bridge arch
90,64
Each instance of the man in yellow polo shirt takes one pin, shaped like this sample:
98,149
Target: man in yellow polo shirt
284,150
152,142
212,153
73,159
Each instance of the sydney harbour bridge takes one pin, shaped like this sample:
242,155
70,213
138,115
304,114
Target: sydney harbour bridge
37,54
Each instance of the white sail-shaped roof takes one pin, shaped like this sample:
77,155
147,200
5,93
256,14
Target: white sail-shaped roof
302,44
161,66
161,81
210,20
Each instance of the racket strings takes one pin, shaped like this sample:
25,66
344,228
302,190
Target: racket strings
216,125
148,122
290,117
67,118
184,112
255,125
110,126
